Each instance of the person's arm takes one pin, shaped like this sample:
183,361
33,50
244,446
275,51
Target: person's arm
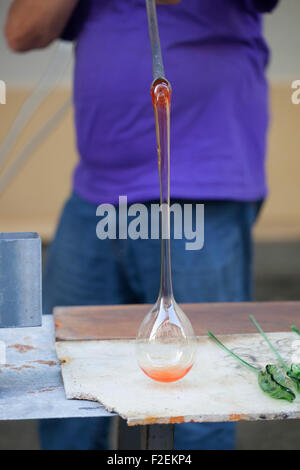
33,24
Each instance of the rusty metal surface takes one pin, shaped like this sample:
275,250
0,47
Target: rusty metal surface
123,321
30,382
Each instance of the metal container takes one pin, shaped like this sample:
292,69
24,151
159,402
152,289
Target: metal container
20,280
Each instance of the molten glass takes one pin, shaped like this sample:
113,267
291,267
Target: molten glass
166,342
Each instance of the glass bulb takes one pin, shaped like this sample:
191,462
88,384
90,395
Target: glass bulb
166,343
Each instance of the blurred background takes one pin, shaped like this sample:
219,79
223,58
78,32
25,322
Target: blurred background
33,200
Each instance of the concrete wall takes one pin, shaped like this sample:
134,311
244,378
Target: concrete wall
282,31
34,199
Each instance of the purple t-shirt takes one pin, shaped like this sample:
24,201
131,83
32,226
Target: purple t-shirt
215,58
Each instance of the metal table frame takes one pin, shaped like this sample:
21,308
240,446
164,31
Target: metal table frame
31,385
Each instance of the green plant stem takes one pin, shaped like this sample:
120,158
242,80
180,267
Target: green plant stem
279,357
295,329
216,340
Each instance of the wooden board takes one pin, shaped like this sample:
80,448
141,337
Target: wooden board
122,321
218,388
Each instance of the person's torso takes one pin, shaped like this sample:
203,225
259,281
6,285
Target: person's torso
214,57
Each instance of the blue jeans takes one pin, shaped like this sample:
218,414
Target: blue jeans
83,270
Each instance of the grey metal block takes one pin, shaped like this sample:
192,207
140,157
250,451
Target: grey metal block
20,280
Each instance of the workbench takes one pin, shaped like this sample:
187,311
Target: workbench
31,385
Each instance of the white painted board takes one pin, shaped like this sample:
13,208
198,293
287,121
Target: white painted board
218,388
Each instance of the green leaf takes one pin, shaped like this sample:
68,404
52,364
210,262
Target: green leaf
272,380
294,372
295,368
278,373
294,375
273,383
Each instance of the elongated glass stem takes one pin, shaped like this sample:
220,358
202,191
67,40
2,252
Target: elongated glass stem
282,362
217,341
161,96
166,342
